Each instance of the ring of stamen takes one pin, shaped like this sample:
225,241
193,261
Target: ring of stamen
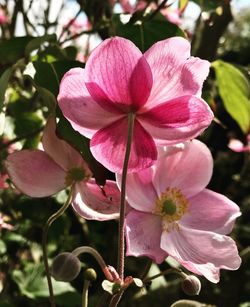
171,205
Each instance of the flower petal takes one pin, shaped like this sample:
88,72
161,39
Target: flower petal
141,182
108,146
175,73
188,169
116,67
34,173
222,212
93,203
143,233
201,252
177,120
60,151
85,115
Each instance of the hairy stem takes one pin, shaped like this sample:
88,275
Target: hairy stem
121,239
44,244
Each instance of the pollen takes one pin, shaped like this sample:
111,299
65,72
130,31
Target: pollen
171,205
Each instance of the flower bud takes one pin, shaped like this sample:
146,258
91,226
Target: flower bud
90,274
65,267
191,285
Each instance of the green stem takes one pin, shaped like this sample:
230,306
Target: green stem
44,244
85,293
166,272
121,239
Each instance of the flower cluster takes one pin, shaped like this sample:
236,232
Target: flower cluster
154,97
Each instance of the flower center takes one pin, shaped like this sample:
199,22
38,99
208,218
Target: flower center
171,205
75,174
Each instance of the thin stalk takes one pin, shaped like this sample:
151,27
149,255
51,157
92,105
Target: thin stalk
44,244
85,293
121,239
165,272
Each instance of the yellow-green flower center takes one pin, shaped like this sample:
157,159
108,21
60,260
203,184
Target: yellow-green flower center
75,174
171,205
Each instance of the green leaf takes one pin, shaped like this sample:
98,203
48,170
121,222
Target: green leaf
234,90
46,77
4,80
37,42
13,49
61,67
33,284
182,4
143,31
208,5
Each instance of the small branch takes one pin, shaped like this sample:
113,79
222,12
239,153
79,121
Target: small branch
21,137
160,6
49,222
65,28
78,35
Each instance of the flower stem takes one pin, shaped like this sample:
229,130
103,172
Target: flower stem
85,293
166,272
44,245
121,239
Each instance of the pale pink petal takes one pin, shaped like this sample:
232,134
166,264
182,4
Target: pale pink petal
188,169
85,115
60,151
34,173
93,203
143,233
221,211
140,191
236,145
108,146
204,251
115,68
175,73
177,120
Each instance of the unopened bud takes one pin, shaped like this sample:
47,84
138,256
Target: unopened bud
90,274
191,285
65,267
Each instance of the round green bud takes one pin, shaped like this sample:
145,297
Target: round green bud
65,267
191,285
90,275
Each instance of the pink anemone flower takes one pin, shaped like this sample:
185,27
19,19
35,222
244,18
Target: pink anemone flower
175,215
40,173
161,88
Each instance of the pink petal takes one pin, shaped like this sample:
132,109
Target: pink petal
108,146
188,169
85,115
177,120
237,146
115,68
93,203
60,151
201,252
143,233
222,212
175,73
141,182
34,173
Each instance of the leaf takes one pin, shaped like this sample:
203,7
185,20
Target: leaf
234,90
61,67
47,97
46,77
33,284
182,4
208,5
4,80
144,32
37,42
13,49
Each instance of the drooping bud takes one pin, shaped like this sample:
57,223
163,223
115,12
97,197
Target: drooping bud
191,285
90,275
65,267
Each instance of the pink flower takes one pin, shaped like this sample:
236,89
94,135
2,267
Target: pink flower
172,15
162,88
40,173
3,224
175,215
3,17
237,146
